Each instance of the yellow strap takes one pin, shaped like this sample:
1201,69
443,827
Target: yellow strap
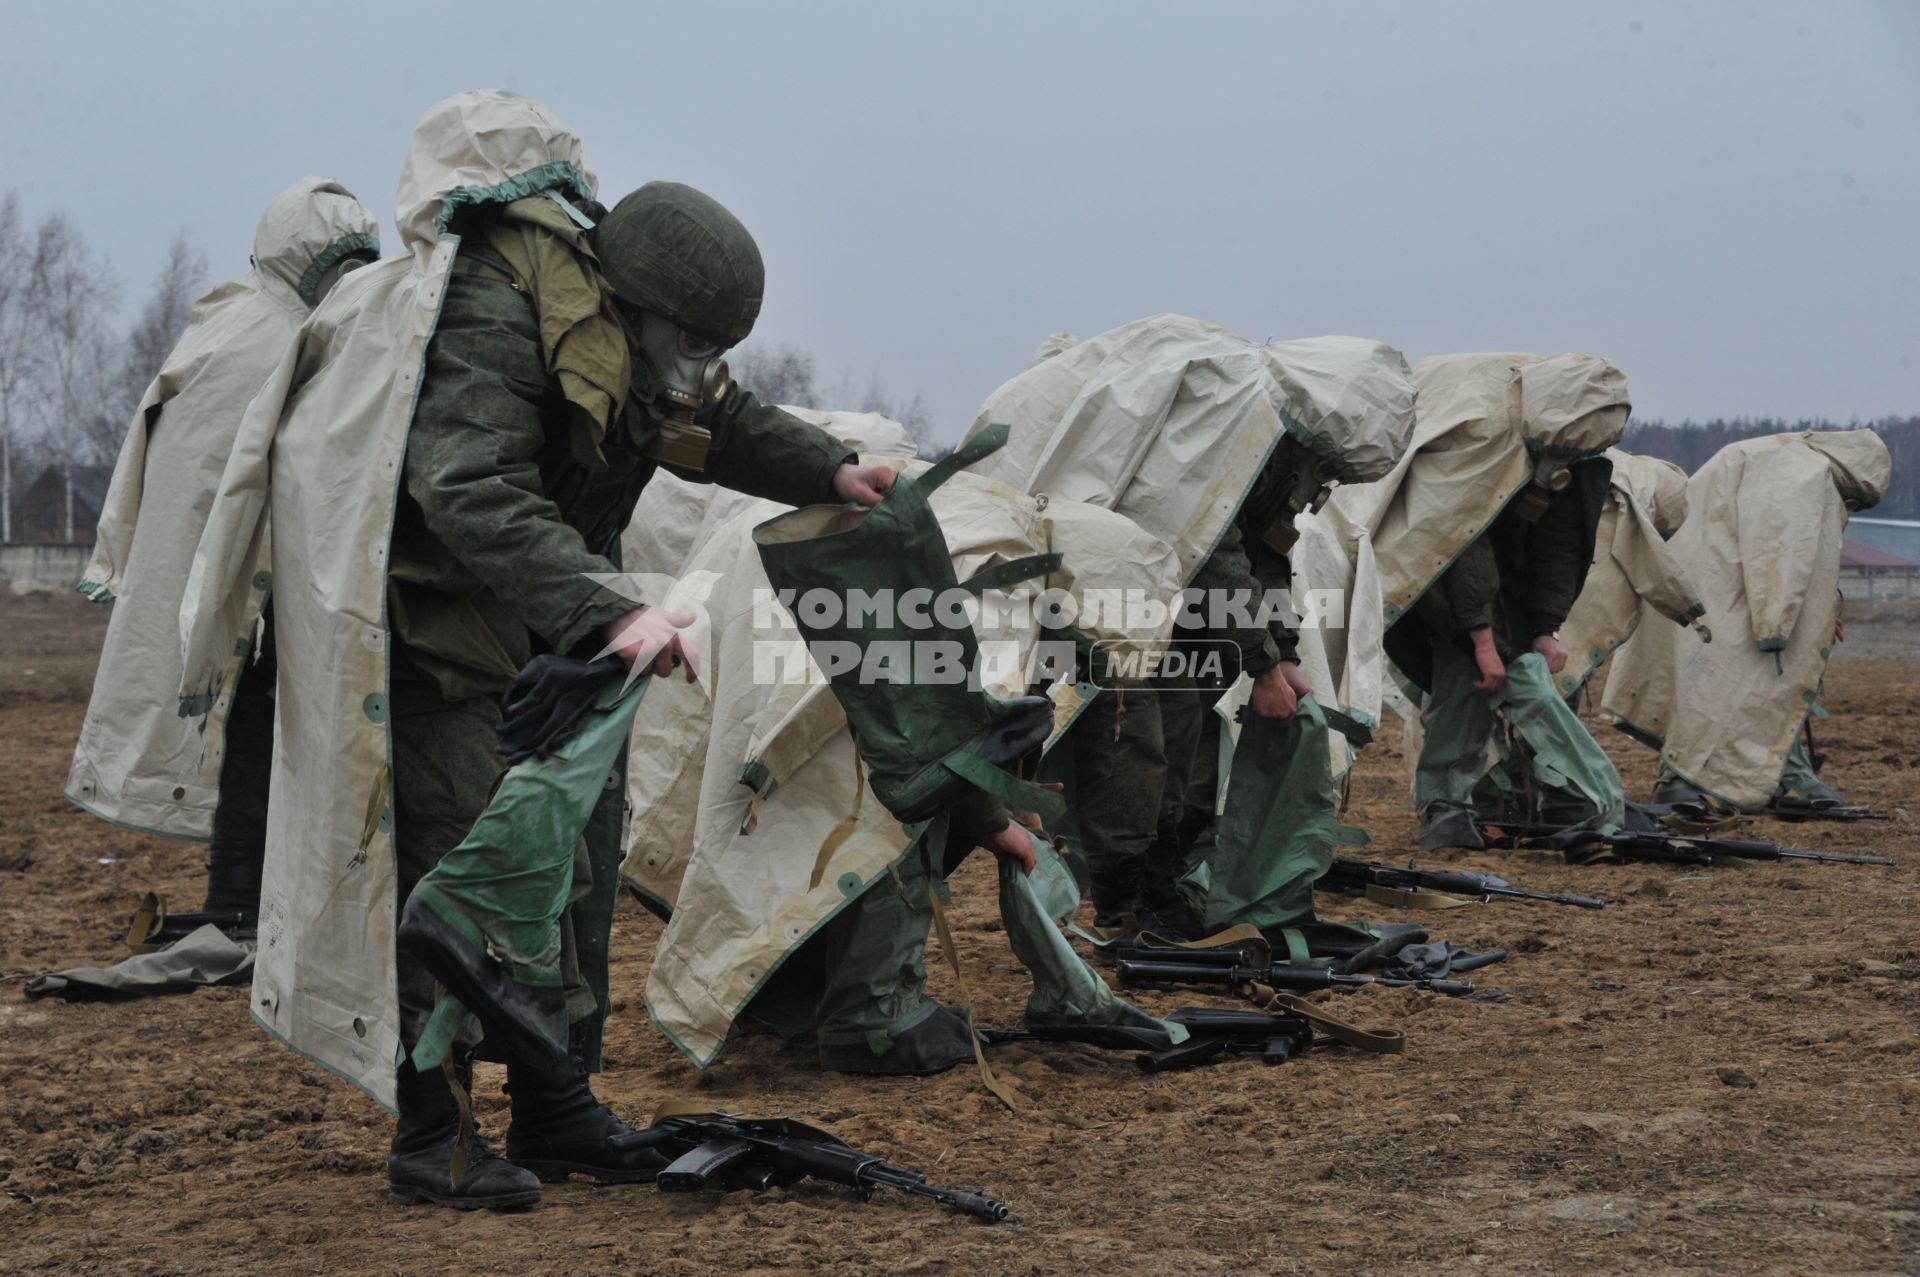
682,1108
457,1165
843,830
1415,898
148,918
1237,936
1002,1091
1376,1041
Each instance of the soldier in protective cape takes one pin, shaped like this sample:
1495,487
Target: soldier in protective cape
138,763
1218,445
1634,574
476,424
1484,534
1765,522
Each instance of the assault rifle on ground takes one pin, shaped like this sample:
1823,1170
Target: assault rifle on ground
1796,812
1658,848
715,1150
1237,965
1212,1034
1356,876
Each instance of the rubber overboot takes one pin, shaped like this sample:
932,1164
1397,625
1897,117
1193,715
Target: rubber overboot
530,1021
1813,796
1454,829
559,1128
937,1043
420,1159
901,674
1671,789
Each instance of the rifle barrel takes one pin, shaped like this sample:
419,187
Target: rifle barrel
1279,976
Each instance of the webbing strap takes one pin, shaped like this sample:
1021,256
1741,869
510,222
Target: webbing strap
1238,936
457,1165
1008,788
842,831
1375,1041
1012,572
984,444
1002,1091
1416,898
148,918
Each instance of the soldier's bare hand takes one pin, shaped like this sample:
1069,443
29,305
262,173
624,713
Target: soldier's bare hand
864,485
1290,670
1549,648
1012,843
1493,670
1273,695
650,639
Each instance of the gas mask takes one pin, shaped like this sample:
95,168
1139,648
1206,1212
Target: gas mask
1550,475
688,376
337,272
1310,483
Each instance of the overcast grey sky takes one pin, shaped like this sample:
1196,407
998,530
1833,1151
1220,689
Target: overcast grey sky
1724,198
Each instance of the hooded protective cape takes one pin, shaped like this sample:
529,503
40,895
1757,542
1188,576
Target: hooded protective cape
1480,419
1762,540
321,449
736,784
1633,568
138,762
1170,421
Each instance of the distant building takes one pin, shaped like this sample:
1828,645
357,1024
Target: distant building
1895,536
1870,573
40,509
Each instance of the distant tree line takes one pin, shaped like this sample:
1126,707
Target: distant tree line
71,371
1690,443
784,374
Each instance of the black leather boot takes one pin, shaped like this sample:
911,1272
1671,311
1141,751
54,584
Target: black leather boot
233,877
560,1129
1164,911
420,1160
1116,893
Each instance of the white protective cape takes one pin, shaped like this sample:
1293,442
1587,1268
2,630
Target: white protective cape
138,762
1469,456
322,446
1765,521
1170,420
1633,570
736,783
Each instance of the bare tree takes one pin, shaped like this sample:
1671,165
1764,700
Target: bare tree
777,374
70,296
14,370
161,320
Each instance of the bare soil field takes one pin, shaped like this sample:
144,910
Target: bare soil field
1720,1073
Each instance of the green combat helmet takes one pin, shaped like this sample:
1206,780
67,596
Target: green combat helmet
690,279
678,252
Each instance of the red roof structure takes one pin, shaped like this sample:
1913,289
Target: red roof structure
1855,555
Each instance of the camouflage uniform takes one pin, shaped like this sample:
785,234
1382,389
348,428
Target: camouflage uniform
1521,579
496,530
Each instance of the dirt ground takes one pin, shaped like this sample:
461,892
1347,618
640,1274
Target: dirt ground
1719,1073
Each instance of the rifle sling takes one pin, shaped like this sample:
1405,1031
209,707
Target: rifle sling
1373,1041
1002,1091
